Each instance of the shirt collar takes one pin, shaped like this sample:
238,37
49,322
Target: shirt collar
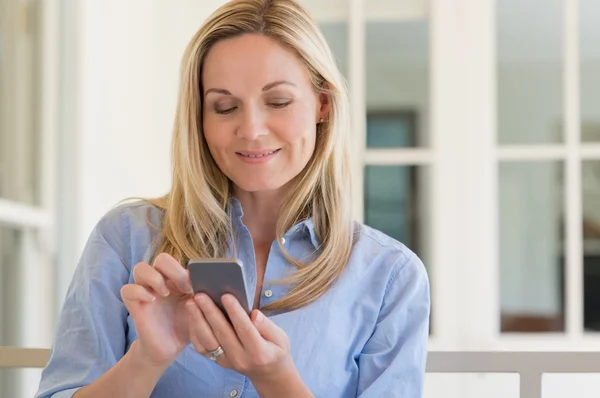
307,226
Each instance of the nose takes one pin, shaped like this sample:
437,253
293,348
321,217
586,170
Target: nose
252,124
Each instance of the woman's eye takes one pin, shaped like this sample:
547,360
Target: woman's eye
279,104
225,111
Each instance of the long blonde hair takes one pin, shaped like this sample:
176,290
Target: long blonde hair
196,221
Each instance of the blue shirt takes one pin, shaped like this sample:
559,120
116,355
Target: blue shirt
365,337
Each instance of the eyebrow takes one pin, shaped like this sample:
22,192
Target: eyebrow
277,83
265,88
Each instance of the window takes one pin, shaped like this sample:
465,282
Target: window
548,126
589,97
382,49
28,54
392,192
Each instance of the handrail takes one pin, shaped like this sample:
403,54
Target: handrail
12,357
529,365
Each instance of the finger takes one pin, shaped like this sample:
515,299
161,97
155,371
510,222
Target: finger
173,271
246,331
222,329
135,292
145,275
135,297
200,349
269,330
201,334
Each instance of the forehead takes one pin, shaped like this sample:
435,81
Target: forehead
252,59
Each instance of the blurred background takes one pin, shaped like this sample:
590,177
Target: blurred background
476,136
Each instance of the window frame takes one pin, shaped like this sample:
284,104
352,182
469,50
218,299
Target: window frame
35,224
464,219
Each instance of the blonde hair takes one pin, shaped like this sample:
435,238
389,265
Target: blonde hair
196,221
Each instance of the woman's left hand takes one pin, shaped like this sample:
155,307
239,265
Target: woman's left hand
253,345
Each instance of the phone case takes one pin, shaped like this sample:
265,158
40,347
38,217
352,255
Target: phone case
215,277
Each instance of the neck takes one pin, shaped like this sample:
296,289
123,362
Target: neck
261,211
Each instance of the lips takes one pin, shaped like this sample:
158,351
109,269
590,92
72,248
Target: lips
257,154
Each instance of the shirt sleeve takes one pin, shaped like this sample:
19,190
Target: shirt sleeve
91,332
392,363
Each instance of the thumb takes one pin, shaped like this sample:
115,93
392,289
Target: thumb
269,330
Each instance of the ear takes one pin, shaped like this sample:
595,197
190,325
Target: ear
323,105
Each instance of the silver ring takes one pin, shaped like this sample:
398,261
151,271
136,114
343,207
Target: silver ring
216,353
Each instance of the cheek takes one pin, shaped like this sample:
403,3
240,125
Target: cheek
299,132
216,139
306,144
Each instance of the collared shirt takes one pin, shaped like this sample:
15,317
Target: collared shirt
365,337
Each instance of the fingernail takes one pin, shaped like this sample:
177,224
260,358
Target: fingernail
151,297
166,294
185,287
200,298
259,317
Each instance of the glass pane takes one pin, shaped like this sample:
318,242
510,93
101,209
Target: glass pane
19,383
24,312
336,34
591,244
391,129
9,266
531,248
397,81
530,95
589,67
332,20
396,199
9,329
19,101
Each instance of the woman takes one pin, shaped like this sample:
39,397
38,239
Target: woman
262,173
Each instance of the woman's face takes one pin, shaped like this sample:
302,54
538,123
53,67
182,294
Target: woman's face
260,112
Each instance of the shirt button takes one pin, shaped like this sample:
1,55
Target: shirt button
233,393
283,241
268,293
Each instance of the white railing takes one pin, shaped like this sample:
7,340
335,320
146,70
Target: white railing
529,365
11,357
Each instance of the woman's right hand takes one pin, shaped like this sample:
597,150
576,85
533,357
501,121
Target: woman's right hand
156,302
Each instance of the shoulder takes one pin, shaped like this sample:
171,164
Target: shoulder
129,229
130,217
383,257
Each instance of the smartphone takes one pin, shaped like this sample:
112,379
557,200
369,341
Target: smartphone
218,276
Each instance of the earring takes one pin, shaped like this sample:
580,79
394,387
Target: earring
321,120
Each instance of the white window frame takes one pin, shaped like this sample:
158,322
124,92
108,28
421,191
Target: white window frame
434,156
36,223
39,220
572,152
464,156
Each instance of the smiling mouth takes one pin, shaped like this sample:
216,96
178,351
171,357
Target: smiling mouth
257,154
